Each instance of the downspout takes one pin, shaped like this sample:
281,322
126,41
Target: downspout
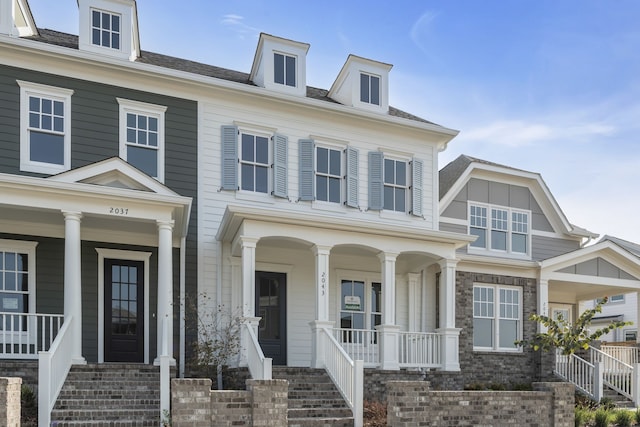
182,302
218,299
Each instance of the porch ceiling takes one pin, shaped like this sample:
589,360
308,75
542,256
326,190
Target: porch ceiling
572,292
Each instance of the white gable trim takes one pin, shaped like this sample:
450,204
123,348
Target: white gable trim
607,250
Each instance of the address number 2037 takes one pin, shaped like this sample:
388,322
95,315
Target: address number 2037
119,211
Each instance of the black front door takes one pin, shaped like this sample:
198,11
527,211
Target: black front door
123,311
271,307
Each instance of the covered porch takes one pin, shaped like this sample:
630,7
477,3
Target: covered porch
315,288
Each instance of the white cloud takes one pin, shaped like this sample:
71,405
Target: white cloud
420,31
236,22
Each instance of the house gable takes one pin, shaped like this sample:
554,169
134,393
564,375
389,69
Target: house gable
16,19
598,267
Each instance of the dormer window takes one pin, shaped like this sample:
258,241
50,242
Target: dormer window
284,69
105,29
369,89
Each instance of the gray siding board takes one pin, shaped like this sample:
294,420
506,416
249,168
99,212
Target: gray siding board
456,209
453,228
598,267
549,247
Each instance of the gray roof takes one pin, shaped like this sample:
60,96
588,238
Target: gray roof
625,244
170,62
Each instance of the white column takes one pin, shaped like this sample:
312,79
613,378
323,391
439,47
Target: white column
73,282
414,281
388,330
543,302
448,330
322,305
248,246
6,17
165,288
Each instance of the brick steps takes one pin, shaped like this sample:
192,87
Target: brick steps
110,395
314,401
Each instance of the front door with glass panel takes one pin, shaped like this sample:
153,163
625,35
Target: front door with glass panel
271,307
123,311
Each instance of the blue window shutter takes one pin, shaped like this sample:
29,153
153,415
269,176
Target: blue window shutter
306,159
229,158
376,183
417,201
280,169
352,177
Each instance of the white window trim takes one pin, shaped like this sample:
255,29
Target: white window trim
488,250
127,256
295,68
368,278
136,107
29,248
126,50
496,318
408,178
380,92
256,133
343,165
111,13
43,91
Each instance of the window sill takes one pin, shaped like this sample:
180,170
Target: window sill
44,168
402,216
328,206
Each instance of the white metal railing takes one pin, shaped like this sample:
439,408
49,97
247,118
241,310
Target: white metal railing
346,374
420,349
259,366
587,377
628,355
360,344
53,367
23,335
616,374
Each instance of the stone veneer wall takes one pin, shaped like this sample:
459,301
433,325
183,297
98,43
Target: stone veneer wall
493,367
412,403
263,404
10,401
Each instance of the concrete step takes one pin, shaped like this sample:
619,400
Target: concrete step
317,403
321,422
319,412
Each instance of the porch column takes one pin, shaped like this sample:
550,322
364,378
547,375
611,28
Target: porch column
322,304
413,279
388,330
637,316
248,246
165,287
448,330
73,282
543,301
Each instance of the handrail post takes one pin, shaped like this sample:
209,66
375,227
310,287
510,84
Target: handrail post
598,389
358,393
165,387
635,384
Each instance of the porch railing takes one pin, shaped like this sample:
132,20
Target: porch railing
53,367
360,344
616,374
587,377
346,374
420,350
23,335
259,366
628,355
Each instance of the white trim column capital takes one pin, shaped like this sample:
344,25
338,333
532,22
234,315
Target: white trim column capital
72,215
388,256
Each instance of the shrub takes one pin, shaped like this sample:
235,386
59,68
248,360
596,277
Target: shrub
475,387
601,418
637,416
29,407
581,416
623,418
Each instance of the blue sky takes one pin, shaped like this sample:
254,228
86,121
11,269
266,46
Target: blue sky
546,86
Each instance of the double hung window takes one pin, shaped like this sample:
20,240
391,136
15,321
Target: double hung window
369,89
284,69
17,284
45,121
497,317
254,163
500,229
395,184
142,136
328,175
105,29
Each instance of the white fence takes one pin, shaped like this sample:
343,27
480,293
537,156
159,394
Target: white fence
360,344
420,350
628,355
347,374
23,335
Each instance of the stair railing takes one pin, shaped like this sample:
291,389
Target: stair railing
53,367
260,367
165,374
617,375
346,374
628,355
587,377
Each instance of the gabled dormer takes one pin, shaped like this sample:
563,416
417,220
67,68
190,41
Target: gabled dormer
110,28
363,83
16,19
280,65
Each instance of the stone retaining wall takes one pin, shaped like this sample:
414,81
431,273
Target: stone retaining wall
412,403
10,401
263,404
